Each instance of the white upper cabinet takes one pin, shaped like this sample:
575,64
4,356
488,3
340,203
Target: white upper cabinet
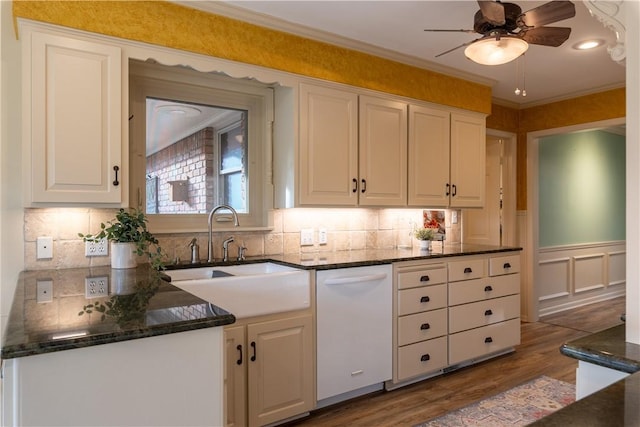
383,152
446,158
328,156
428,156
73,139
468,160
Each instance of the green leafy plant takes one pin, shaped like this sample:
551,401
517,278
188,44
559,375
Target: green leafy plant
424,233
130,226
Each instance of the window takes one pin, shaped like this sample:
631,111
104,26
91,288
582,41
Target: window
198,140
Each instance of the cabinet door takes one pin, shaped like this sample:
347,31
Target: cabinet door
235,377
383,152
280,369
328,156
429,136
468,157
73,91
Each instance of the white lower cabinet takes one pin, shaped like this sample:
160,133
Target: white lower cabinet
453,313
268,371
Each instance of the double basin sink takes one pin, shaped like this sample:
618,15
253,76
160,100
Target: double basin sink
247,290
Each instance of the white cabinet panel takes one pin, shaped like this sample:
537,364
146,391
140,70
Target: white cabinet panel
468,159
73,113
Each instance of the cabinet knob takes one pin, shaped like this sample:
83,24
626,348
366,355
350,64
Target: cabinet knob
488,288
424,357
425,326
506,265
468,270
425,299
488,340
424,278
488,312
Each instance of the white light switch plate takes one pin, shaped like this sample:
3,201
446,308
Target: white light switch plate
44,247
44,291
306,237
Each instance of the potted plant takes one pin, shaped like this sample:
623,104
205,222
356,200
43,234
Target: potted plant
424,236
128,237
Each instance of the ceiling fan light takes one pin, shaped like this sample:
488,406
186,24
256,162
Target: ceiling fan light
496,51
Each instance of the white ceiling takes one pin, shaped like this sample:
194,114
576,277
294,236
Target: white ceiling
395,29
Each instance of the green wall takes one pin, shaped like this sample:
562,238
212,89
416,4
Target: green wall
581,180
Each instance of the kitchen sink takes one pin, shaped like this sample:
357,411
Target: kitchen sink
247,290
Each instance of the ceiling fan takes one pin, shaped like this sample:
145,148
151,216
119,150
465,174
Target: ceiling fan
507,31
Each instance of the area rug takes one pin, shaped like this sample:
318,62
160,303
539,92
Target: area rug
518,406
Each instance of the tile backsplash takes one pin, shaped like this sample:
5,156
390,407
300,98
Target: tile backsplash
347,229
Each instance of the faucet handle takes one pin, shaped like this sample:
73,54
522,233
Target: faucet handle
241,249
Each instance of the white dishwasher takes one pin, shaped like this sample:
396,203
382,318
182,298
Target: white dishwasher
354,331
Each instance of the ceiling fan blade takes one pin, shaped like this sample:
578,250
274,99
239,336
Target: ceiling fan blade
492,11
548,13
457,47
546,36
451,31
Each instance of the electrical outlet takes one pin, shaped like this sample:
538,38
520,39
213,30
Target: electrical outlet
306,237
95,287
322,236
99,248
44,290
44,247
454,217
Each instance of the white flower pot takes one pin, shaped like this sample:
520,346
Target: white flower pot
425,245
123,255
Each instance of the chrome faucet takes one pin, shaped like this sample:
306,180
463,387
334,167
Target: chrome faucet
235,222
225,249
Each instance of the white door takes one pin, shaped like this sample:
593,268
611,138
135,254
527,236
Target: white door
483,226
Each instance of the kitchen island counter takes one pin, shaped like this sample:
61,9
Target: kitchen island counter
60,309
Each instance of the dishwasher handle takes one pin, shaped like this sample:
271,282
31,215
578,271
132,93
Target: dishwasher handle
355,279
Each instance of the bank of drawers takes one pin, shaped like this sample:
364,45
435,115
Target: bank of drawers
421,328
455,311
484,306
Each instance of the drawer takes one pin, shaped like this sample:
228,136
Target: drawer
422,326
422,358
421,299
481,313
467,269
483,341
507,264
422,277
483,289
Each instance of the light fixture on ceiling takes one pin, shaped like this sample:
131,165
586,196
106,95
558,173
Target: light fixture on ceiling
179,110
588,44
496,49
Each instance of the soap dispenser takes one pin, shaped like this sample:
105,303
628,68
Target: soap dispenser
195,251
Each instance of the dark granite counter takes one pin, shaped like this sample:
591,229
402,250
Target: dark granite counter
615,405
359,258
606,348
57,310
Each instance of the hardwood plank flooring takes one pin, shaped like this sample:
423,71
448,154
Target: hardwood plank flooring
538,354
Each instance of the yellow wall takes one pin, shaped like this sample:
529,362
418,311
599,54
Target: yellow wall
179,27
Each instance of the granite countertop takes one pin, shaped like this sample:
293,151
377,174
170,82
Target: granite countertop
615,405
55,310
360,258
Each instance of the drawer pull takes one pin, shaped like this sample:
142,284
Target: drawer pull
424,278
506,265
488,312
253,346
488,340
425,299
425,326
488,288
425,357
239,348
468,270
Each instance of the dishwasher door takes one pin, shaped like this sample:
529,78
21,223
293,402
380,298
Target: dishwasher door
354,328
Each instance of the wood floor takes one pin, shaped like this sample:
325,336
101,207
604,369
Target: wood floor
537,355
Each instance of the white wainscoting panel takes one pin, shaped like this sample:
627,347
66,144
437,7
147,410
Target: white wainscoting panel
577,275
